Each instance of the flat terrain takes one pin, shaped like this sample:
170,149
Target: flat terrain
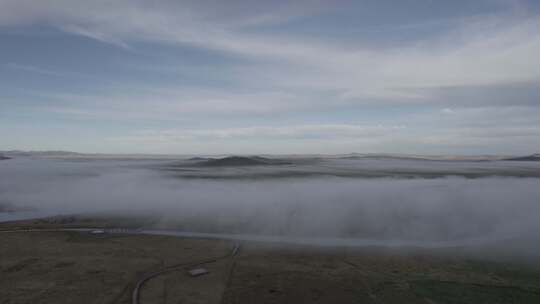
80,267
307,275
73,267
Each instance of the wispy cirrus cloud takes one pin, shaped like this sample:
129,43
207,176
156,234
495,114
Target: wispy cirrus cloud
486,51
470,79
338,138
314,131
42,71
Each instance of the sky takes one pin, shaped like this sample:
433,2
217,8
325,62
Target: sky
281,77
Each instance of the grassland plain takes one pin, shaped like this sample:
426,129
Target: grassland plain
77,267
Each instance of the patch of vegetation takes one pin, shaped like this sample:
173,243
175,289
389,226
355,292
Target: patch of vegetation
85,237
449,292
21,265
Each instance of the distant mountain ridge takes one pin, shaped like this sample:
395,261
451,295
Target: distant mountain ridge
15,153
391,156
533,157
266,159
2,157
233,161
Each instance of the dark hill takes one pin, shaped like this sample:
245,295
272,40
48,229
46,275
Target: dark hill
2,157
233,161
534,157
199,158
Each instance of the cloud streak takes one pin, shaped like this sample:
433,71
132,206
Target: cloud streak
487,51
320,131
480,68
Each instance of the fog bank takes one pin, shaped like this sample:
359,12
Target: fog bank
440,209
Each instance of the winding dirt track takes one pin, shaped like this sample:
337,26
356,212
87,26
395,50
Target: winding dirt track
136,291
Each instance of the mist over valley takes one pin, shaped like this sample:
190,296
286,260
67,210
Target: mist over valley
380,199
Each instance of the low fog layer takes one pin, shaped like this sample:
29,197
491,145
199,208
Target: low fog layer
362,167
438,209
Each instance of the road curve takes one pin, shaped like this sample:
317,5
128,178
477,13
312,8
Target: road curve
135,296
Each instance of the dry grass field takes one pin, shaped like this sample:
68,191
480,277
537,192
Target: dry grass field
79,267
73,267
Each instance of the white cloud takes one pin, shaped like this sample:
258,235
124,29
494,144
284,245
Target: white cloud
302,132
447,111
461,71
489,51
173,104
479,130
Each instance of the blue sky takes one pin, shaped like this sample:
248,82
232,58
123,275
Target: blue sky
211,77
